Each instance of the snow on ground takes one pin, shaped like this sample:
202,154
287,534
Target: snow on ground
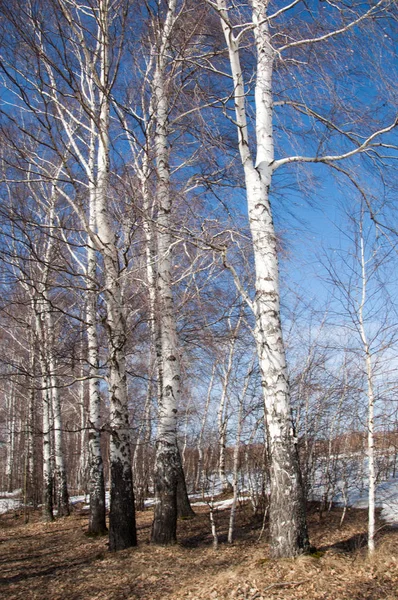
386,499
10,501
149,502
354,494
351,487
222,504
85,500
7,504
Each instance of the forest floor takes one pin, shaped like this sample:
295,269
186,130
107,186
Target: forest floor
58,561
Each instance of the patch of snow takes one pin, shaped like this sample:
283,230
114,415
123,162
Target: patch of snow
7,504
221,504
13,494
85,498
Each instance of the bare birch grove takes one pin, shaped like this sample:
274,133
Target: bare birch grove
156,160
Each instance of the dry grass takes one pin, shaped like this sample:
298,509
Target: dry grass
58,561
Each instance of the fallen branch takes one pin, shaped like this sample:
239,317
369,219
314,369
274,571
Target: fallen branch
285,584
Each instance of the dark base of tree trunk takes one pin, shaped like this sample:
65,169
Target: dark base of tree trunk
47,509
63,510
122,527
184,509
164,526
140,496
63,503
97,522
288,522
47,516
227,488
97,519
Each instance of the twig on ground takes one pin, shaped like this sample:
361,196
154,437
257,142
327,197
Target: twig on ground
285,584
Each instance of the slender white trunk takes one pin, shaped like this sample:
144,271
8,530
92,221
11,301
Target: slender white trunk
11,427
199,446
168,468
288,530
31,419
48,476
122,530
141,450
371,400
97,523
60,468
235,471
82,445
47,503
235,467
222,418
97,519
165,515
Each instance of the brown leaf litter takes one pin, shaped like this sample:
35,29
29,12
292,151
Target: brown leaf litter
58,561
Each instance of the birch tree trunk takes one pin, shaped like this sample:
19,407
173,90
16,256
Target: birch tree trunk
60,469
48,477
97,519
168,468
235,474
199,446
122,529
31,421
184,508
97,524
371,399
11,426
140,458
235,469
164,527
288,531
222,418
47,502
83,462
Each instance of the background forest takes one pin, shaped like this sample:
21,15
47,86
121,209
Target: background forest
198,258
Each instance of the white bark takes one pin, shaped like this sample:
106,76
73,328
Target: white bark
47,509
122,532
31,420
168,466
371,398
235,467
141,462
199,447
82,446
97,524
11,428
60,468
222,418
287,520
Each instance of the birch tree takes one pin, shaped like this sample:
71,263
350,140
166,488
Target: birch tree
122,532
86,74
360,274
287,520
282,41
151,161
167,456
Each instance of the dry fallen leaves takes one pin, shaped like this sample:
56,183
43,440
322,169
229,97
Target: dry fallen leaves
58,561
